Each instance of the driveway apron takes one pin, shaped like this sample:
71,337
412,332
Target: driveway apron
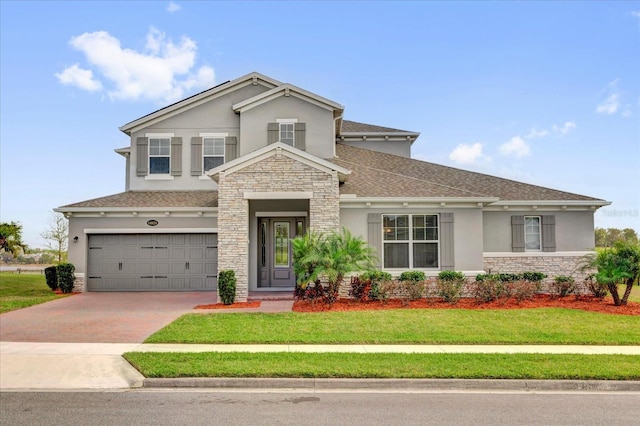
99,317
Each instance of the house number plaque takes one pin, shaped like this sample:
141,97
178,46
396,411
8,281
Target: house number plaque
152,222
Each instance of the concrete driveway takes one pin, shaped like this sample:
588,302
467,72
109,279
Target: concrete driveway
99,317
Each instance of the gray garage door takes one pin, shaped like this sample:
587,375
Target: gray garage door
153,262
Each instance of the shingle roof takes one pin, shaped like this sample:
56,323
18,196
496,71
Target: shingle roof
355,127
133,199
376,174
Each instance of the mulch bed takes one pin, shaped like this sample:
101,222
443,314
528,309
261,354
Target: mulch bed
238,305
585,303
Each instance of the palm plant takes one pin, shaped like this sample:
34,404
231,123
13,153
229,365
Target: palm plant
617,265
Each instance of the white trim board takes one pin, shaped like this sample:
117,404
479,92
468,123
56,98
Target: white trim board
150,230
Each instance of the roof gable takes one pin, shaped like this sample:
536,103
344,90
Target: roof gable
287,90
279,148
253,78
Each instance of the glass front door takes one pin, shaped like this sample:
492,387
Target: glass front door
275,261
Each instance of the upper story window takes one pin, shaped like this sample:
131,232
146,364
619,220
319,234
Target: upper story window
287,134
410,241
159,156
532,233
212,152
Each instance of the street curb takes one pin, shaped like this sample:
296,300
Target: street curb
396,384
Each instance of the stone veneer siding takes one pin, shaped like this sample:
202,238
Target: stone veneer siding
277,173
551,264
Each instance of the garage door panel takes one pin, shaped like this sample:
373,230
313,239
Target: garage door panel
152,262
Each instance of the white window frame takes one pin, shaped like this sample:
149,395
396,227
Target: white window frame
410,241
539,233
204,155
159,137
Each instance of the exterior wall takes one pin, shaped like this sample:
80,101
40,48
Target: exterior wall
78,225
320,139
467,231
574,229
215,116
401,148
277,173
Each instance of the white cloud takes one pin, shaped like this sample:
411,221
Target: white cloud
76,76
163,72
535,133
566,128
173,7
516,147
610,105
468,154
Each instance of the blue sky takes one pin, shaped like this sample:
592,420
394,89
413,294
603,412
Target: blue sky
543,92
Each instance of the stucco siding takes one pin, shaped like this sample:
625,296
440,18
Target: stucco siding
401,148
320,139
573,229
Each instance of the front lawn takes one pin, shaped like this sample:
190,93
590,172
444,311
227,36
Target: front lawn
406,326
22,290
384,365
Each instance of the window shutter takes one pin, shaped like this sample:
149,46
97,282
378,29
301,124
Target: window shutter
273,130
548,233
374,231
517,233
230,148
447,254
142,154
176,156
196,156
300,139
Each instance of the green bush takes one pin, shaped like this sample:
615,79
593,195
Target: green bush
533,276
523,289
597,289
412,290
412,276
489,289
227,286
65,277
51,276
377,278
562,286
450,285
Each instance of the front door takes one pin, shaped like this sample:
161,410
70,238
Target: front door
275,259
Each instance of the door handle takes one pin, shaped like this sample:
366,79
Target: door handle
120,266
186,265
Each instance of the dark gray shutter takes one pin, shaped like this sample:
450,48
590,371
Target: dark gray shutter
300,138
273,132
176,156
374,235
196,156
142,156
230,148
447,254
548,233
517,233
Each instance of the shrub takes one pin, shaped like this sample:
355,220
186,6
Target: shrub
597,289
412,276
412,290
523,289
227,286
386,289
450,284
489,289
65,277
533,276
51,276
376,278
562,286
360,289
310,292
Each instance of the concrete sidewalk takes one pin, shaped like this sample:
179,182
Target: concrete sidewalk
25,365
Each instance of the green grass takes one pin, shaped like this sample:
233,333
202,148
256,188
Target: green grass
635,294
22,290
380,365
405,326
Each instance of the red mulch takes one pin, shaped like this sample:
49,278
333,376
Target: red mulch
58,291
586,303
253,304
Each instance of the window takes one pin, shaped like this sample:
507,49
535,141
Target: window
287,133
532,233
410,241
159,156
212,152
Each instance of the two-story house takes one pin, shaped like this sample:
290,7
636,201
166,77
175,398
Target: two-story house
226,178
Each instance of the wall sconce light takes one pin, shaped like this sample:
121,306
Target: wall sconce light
75,239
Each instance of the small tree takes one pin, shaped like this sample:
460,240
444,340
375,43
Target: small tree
58,236
617,265
11,238
227,286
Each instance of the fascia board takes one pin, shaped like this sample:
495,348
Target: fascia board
529,203
197,100
416,202
132,209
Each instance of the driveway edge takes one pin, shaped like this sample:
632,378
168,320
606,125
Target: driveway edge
396,384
